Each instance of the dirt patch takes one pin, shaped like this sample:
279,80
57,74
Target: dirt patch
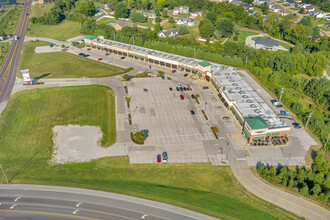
74,143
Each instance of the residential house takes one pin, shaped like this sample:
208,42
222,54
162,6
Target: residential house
123,23
169,33
98,9
237,2
1,38
247,6
181,10
149,15
252,13
309,9
199,12
327,25
186,21
267,44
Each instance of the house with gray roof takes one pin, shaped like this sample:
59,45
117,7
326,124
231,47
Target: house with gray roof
267,44
186,21
169,33
181,10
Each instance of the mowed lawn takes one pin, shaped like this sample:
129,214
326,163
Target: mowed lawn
39,10
64,30
61,64
26,149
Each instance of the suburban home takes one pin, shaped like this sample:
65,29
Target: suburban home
252,12
1,38
309,9
123,23
247,6
181,10
186,21
169,33
237,2
327,25
149,15
98,9
267,44
199,12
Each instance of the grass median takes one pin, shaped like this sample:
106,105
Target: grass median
62,64
26,148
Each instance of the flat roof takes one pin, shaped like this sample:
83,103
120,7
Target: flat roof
246,100
90,37
256,123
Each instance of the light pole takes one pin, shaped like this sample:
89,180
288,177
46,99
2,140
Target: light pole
309,117
4,174
133,40
281,94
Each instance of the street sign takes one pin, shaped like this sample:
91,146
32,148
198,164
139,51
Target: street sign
26,76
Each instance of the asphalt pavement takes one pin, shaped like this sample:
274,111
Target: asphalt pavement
9,68
51,202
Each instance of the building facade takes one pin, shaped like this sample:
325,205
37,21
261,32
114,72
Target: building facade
258,121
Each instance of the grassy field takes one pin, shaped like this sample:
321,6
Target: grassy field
11,14
280,43
106,21
243,35
286,5
62,31
26,149
39,10
148,24
3,52
62,64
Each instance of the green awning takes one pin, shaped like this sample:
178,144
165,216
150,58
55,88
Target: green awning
268,135
194,71
98,46
275,134
199,73
246,134
256,123
87,45
240,120
146,59
258,138
142,57
187,69
130,54
90,37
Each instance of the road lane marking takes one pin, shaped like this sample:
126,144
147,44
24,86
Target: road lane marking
248,151
13,54
78,204
276,195
143,216
13,206
48,213
17,199
75,211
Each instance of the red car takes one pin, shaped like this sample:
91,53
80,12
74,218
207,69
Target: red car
159,158
100,59
173,71
181,97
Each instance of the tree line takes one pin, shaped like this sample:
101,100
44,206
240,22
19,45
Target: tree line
313,182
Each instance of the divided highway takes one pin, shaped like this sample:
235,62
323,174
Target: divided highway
52,202
9,68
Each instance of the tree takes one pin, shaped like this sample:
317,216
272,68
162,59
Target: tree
206,30
157,28
87,8
316,33
225,27
306,21
158,19
316,190
304,190
138,17
326,6
171,20
121,10
301,11
264,7
211,16
164,14
139,136
182,30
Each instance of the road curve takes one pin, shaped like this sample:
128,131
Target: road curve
53,202
287,201
9,67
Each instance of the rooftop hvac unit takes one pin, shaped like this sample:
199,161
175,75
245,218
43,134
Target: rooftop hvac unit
235,84
231,80
245,96
256,110
238,88
253,106
242,92
249,101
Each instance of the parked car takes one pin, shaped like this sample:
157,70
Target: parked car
122,58
165,157
185,75
179,84
296,125
159,158
170,89
205,87
192,112
184,88
145,90
173,71
181,89
99,59
177,89
181,97
192,96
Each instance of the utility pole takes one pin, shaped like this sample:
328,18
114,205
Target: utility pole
281,94
309,117
246,57
4,174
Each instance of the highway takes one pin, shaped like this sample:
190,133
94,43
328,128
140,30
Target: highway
9,68
52,202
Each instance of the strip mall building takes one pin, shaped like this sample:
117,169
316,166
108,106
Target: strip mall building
258,121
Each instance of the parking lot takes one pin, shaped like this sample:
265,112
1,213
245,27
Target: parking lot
170,123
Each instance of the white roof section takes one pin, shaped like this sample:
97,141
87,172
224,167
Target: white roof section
246,100
146,51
